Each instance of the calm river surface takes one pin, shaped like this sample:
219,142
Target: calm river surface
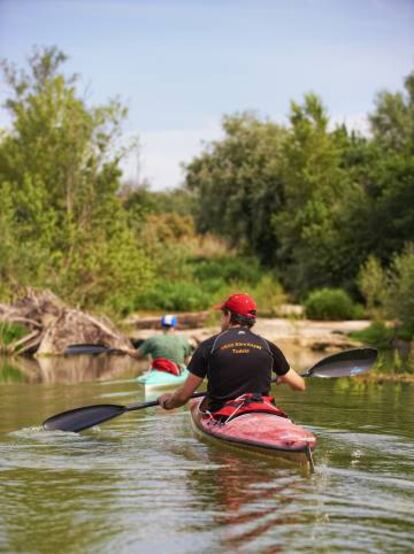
144,483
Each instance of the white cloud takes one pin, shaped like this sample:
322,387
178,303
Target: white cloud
357,122
162,152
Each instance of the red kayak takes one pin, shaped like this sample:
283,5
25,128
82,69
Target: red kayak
266,432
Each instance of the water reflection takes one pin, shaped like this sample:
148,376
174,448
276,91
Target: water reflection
250,498
68,369
83,367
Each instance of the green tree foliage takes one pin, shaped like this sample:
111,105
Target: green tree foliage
371,281
238,186
310,204
380,210
331,304
378,213
140,201
59,175
400,291
315,186
10,332
393,120
391,290
311,201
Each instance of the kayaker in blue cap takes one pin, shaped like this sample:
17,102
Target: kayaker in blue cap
235,361
169,351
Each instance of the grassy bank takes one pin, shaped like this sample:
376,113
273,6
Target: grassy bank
396,353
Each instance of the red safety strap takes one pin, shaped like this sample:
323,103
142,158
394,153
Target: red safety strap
246,404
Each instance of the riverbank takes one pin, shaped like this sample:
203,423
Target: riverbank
319,336
303,341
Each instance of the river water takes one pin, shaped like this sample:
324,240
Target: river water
144,483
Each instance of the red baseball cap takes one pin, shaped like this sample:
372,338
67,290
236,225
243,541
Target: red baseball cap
239,303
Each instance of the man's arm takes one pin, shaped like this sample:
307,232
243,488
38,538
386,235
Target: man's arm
144,349
293,379
179,397
289,375
138,354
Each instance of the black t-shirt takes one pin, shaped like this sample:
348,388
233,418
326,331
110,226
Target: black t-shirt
235,362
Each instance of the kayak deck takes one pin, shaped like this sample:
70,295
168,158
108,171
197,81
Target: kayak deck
268,433
158,379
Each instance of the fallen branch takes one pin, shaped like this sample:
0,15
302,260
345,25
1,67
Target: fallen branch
53,326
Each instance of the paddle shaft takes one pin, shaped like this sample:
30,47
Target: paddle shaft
152,403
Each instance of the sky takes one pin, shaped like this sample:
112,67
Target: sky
180,65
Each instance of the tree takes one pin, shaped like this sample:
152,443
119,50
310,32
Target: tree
315,187
140,202
60,169
313,202
237,182
392,122
378,215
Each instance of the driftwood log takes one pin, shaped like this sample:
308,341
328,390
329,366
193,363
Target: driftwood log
52,326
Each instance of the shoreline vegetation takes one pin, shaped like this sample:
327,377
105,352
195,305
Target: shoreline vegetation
48,327
305,214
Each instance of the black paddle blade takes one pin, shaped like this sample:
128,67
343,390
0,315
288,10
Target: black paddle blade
344,364
82,418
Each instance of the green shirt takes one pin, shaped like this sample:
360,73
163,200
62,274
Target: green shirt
173,347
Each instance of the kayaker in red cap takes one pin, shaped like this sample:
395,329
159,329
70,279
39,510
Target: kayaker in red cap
235,362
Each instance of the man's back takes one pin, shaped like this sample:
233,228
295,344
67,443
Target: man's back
237,361
173,347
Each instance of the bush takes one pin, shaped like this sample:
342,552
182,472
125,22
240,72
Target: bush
10,332
371,280
228,268
377,334
187,295
400,290
174,296
269,296
331,304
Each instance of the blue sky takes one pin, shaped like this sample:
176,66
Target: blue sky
180,65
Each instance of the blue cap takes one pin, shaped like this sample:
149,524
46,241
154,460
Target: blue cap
169,321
